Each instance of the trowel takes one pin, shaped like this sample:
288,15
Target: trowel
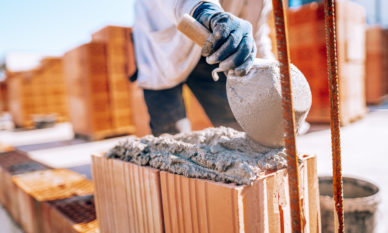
255,99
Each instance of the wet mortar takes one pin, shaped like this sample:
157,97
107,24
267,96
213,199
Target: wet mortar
219,154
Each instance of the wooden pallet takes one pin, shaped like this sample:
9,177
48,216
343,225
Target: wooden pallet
105,134
131,198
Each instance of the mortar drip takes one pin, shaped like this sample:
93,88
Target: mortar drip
218,154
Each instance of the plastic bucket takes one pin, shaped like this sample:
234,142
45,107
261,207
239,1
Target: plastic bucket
361,199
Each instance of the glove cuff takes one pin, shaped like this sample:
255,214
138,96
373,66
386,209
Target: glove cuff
205,12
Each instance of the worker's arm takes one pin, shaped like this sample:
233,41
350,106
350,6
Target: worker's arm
261,27
231,42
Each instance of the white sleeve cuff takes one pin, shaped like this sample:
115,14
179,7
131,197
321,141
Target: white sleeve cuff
198,4
188,7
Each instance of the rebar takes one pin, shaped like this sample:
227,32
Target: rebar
332,66
288,115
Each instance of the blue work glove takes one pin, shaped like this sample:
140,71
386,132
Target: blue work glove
231,41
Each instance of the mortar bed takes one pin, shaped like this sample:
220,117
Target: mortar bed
219,154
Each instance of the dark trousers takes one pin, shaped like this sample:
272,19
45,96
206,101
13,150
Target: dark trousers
166,107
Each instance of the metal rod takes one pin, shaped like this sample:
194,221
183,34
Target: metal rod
331,47
288,115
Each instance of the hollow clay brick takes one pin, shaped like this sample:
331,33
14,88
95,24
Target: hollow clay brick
35,188
127,197
71,215
196,205
126,194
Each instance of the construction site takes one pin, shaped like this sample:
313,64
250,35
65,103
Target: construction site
189,116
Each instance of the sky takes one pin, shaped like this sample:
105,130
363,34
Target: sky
51,27
370,6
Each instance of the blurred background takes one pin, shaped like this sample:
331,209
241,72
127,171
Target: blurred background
65,91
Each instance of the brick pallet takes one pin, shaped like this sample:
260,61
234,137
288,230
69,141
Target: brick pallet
120,62
3,97
37,93
87,83
131,198
21,97
54,88
376,65
308,53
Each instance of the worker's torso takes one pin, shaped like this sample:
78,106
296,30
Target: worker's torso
165,57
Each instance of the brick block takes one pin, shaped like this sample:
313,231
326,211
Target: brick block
194,205
127,197
35,188
14,163
126,194
71,215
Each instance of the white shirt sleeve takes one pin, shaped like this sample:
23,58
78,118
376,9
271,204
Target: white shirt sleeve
175,9
263,41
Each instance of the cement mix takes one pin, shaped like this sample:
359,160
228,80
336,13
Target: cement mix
219,154
256,101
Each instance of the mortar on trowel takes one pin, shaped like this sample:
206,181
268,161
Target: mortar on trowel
255,99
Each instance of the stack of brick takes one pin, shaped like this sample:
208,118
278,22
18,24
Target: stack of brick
14,163
376,65
54,88
308,53
24,97
141,199
38,92
45,200
120,61
34,189
3,97
87,84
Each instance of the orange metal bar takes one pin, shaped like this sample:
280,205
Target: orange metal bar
288,115
331,46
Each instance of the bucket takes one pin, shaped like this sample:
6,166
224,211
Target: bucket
361,199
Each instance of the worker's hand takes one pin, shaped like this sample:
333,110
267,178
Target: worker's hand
231,41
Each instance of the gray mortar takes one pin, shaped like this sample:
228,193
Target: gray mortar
256,101
219,154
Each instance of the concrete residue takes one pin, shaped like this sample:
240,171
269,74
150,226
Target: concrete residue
256,101
219,154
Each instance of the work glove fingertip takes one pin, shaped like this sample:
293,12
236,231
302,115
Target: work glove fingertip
207,49
244,68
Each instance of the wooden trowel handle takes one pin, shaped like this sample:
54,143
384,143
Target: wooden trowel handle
193,29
